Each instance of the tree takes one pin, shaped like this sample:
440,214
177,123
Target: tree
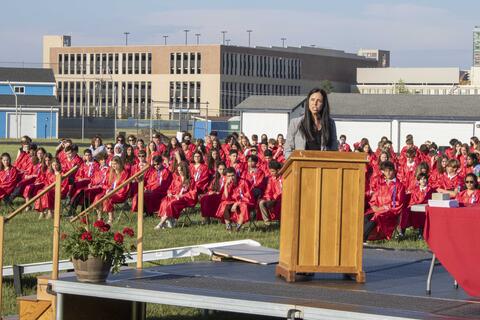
401,88
327,86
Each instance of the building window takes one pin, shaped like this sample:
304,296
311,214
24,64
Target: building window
178,63
129,63
199,63
172,63
19,89
137,63
60,64
149,65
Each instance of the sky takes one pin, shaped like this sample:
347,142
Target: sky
417,33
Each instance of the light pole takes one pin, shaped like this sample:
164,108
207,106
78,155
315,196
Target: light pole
283,42
186,35
223,36
228,42
249,33
165,40
16,106
198,37
126,38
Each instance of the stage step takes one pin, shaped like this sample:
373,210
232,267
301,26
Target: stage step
42,294
30,308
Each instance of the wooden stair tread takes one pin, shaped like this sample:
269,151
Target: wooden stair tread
31,308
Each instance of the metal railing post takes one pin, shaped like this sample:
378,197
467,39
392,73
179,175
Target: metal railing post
56,226
141,183
2,224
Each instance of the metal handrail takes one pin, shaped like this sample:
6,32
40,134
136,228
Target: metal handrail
3,220
41,193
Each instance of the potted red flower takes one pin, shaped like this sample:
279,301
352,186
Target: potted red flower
95,249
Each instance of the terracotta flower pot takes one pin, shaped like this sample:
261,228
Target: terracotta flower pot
93,270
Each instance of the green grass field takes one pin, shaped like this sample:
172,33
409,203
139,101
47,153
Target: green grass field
29,240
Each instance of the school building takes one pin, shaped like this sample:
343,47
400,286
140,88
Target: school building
166,81
28,104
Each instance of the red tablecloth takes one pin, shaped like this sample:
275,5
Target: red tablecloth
453,234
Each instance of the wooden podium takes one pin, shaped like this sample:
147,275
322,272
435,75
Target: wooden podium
322,214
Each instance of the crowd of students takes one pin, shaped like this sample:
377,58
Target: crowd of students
394,183
233,182
236,180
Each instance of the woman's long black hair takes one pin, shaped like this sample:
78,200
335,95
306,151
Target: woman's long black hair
307,126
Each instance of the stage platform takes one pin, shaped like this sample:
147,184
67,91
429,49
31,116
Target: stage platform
395,289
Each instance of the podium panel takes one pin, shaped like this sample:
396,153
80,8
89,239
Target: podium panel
322,214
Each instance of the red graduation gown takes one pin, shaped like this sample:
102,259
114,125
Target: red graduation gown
390,195
170,205
109,185
157,183
8,181
47,201
236,193
466,199
273,192
209,202
201,176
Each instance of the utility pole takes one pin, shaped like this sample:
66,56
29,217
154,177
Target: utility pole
186,35
283,42
126,38
223,36
249,33
165,40
198,37
16,107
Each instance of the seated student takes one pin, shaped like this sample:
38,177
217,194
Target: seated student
470,163
24,158
420,194
471,195
406,171
22,153
8,177
95,187
46,203
386,205
270,204
71,159
160,146
157,181
343,146
188,152
450,182
234,162
115,177
60,149
450,152
82,179
236,201
110,153
437,171
27,172
180,195
199,172
267,157
213,160
413,182
210,201
130,158
36,173
255,177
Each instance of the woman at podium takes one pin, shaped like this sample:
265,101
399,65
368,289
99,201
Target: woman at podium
315,130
